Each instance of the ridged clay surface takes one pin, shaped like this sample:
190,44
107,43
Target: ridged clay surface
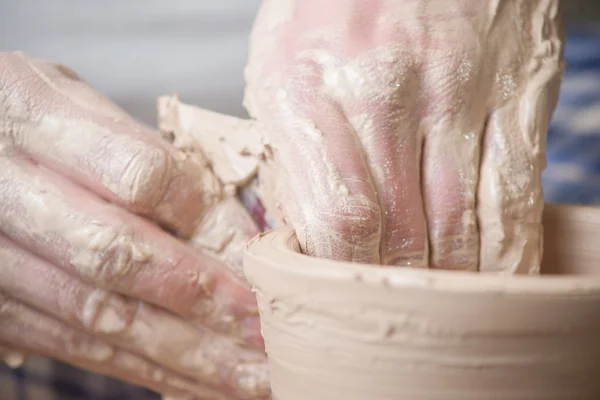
348,331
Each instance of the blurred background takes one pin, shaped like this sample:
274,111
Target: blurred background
136,50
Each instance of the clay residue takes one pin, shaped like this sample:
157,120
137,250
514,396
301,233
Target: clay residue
234,148
229,148
510,197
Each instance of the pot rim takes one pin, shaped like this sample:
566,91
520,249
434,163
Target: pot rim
279,250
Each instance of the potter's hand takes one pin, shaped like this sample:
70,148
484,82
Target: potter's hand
85,277
410,132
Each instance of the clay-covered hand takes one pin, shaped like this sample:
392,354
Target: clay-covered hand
87,276
409,132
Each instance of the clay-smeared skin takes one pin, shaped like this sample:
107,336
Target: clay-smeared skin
410,132
347,331
85,277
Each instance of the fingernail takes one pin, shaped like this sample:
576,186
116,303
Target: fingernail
251,333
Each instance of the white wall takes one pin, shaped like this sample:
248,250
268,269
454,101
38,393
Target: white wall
136,50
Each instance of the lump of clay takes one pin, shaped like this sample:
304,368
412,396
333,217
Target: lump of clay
234,149
229,150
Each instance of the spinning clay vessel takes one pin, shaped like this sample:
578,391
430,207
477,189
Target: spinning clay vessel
346,331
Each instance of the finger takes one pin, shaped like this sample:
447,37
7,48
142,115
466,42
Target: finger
57,119
324,184
387,125
24,327
451,159
224,231
132,325
450,177
510,201
118,251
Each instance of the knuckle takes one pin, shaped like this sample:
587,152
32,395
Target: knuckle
107,313
7,308
14,107
109,256
199,289
357,221
146,178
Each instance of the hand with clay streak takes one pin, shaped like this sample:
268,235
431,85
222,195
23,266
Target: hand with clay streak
410,132
87,274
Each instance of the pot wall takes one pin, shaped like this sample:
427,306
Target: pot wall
346,331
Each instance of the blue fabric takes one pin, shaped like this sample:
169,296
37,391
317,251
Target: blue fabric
572,176
573,152
43,379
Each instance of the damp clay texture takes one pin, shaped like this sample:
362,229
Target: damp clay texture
359,332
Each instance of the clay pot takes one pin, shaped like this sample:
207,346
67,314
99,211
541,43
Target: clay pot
347,331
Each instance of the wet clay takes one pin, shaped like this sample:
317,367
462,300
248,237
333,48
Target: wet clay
348,331
235,151
214,142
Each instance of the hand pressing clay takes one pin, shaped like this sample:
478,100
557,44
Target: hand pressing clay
409,132
86,277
